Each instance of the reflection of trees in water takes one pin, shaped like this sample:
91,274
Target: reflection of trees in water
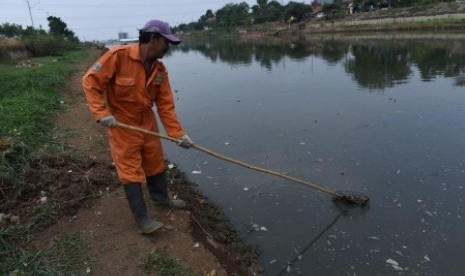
438,61
333,52
376,64
244,52
387,64
378,67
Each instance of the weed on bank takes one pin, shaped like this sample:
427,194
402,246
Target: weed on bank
29,100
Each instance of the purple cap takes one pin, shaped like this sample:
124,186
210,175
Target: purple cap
162,28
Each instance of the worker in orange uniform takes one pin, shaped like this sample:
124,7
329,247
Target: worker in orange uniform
122,86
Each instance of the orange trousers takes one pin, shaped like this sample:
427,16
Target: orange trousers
136,155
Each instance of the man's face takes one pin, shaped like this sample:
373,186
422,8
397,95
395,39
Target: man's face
160,46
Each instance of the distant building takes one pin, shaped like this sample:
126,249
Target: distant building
122,35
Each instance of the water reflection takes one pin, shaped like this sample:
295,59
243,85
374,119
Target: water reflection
288,268
373,64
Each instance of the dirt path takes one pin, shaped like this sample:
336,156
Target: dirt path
115,245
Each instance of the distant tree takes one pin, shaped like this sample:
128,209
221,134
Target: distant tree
332,9
194,26
59,28
275,10
266,11
15,30
11,30
203,20
233,14
296,10
260,11
209,14
181,28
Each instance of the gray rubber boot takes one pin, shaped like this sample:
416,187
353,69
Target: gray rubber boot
158,190
136,202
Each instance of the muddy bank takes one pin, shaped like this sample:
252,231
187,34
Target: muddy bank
61,182
212,227
68,184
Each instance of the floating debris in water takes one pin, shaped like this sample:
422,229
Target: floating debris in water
444,186
171,166
246,189
272,261
429,213
288,268
196,172
302,143
256,227
226,143
394,264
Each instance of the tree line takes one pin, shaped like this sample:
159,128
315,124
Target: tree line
40,42
241,14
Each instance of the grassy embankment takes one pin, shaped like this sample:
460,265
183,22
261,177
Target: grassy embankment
29,103
423,18
29,100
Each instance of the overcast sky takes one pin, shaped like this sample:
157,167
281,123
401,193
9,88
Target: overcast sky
103,19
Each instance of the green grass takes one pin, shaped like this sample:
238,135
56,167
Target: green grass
29,103
28,96
159,261
67,255
29,100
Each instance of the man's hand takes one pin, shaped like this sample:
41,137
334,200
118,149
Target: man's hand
108,121
185,142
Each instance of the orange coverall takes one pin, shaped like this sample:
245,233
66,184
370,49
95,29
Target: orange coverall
120,74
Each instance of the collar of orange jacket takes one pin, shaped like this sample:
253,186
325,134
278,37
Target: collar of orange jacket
134,51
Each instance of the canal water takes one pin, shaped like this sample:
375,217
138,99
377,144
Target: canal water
382,117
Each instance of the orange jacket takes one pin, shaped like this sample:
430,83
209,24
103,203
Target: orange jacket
129,97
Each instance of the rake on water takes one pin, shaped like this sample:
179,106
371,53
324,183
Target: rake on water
348,198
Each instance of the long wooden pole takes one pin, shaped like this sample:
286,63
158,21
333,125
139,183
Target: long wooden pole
237,162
